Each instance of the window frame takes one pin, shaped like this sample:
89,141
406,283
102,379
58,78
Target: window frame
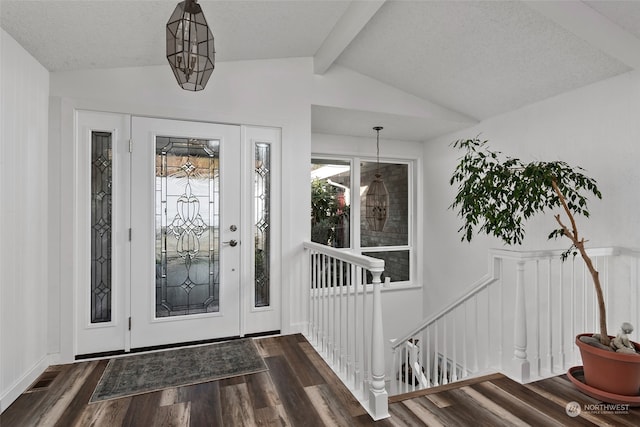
355,218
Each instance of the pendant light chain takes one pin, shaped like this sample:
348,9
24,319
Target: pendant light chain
377,198
378,129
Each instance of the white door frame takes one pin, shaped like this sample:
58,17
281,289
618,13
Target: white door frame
253,319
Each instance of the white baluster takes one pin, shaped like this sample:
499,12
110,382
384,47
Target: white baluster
356,352
464,342
549,318
521,364
309,302
561,318
323,317
488,346
395,368
428,356
341,319
365,335
436,356
445,353
378,402
476,336
454,361
314,302
538,317
334,285
499,268
349,323
573,309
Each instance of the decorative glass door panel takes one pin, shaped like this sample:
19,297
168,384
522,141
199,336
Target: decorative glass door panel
262,224
187,226
101,208
185,211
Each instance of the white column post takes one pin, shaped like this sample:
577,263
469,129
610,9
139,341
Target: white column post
520,362
378,399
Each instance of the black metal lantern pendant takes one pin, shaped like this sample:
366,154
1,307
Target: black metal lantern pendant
190,49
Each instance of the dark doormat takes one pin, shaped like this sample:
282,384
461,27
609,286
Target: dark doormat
143,373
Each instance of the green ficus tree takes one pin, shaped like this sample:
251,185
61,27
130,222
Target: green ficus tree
497,194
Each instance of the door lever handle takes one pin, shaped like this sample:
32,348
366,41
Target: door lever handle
231,243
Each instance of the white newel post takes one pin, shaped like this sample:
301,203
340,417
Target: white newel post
378,398
520,362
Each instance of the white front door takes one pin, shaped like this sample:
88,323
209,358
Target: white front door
177,232
185,243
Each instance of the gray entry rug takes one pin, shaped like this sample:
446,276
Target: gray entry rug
143,373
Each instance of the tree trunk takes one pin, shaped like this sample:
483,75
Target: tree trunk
579,244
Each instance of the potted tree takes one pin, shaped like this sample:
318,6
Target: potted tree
497,194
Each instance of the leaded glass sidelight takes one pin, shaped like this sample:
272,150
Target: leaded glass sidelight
262,229
101,204
187,229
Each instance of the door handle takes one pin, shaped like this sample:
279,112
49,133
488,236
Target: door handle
231,243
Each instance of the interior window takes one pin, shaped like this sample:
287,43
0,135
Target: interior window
334,206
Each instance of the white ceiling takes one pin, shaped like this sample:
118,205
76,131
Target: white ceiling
472,58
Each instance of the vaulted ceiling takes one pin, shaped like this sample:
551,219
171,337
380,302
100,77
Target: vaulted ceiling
460,61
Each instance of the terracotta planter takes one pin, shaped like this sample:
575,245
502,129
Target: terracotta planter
612,372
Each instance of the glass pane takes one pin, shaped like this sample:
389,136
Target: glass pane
396,265
262,230
396,227
330,202
101,179
187,226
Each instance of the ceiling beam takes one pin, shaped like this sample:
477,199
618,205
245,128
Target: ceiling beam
592,27
346,29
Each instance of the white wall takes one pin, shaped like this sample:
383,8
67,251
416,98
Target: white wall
596,127
269,92
23,219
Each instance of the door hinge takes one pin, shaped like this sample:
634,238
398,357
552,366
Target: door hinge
129,234
129,323
130,145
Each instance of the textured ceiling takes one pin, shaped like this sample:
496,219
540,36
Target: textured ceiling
69,35
472,58
626,14
479,58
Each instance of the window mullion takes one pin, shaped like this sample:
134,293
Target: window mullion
355,205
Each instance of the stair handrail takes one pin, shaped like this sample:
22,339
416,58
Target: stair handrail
489,278
367,262
551,253
494,275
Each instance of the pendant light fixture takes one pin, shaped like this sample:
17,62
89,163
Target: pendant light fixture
190,49
377,199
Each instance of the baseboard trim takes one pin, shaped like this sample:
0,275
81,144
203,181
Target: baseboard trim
263,334
22,384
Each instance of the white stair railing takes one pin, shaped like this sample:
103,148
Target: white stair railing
452,344
345,321
521,319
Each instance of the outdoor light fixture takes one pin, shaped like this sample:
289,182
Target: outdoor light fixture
190,50
377,200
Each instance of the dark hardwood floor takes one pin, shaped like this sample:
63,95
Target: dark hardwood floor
299,389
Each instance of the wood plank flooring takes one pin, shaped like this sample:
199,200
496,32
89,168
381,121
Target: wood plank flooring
299,389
